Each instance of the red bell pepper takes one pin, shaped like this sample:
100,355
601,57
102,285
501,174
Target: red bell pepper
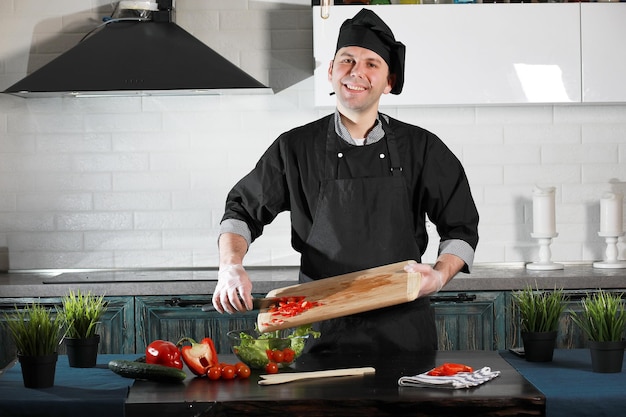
449,369
199,357
162,352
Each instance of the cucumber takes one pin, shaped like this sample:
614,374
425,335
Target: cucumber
142,370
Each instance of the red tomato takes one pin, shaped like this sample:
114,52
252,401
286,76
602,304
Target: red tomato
243,371
277,355
214,373
271,368
288,355
229,372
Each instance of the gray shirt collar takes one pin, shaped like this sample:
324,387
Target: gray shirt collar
374,135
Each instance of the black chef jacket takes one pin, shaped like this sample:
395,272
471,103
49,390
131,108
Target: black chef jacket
354,208
289,174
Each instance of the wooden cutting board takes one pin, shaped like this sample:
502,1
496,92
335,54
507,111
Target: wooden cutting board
346,294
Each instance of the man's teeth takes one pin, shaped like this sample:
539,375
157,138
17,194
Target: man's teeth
354,87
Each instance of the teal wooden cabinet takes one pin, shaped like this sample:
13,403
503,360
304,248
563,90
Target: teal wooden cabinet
171,318
570,336
465,321
116,329
471,320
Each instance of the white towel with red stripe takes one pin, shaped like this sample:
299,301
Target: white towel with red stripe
460,380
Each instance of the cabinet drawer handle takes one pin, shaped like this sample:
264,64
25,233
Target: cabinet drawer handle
179,302
459,298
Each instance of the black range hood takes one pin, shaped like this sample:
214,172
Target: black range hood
127,57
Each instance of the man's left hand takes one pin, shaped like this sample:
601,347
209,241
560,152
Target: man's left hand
435,278
432,280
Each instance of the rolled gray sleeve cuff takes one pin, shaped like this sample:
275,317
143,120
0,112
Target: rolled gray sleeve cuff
459,248
238,227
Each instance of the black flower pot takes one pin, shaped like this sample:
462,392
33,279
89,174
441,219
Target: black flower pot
82,353
38,371
539,346
607,357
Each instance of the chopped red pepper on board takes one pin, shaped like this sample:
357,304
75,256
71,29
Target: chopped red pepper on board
289,307
162,352
449,369
199,356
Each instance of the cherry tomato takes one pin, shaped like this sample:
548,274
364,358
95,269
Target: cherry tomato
288,355
277,355
243,371
271,368
214,373
229,372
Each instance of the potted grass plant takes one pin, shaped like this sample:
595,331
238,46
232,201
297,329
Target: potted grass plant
540,312
603,321
82,313
36,332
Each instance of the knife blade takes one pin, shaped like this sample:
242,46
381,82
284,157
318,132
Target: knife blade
257,304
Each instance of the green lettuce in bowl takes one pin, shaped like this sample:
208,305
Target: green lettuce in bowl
257,349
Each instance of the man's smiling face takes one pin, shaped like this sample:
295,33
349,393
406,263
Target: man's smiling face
359,77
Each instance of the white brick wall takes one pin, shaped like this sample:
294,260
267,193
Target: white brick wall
141,182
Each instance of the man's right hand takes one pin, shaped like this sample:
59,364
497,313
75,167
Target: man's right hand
234,289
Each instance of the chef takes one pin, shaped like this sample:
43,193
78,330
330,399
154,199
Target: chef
359,185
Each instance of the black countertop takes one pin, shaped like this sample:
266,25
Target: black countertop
484,277
99,392
379,394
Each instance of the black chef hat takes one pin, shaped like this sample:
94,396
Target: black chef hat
367,30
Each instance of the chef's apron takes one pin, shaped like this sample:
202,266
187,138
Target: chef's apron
362,223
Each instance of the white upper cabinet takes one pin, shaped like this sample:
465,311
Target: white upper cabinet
460,54
603,27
